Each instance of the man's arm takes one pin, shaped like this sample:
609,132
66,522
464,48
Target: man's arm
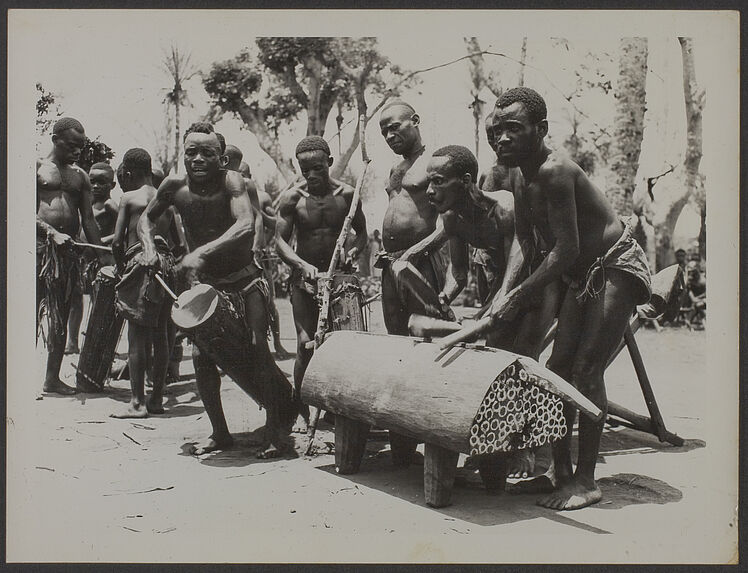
112,208
457,272
120,232
434,241
90,228
148,223
557,183
284,230
240,234
358,224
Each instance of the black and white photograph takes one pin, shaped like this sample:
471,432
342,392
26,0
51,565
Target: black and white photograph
372,286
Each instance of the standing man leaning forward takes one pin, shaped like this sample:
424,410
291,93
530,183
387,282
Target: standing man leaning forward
63,192
316,210
594,253
219,223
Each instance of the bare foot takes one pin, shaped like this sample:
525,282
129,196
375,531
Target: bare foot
154,406
273,451
211,445
281,353
522,464
58,387
72,350
132,411
572,495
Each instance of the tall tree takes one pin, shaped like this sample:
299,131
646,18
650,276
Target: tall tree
47,109
688,183
282,78
522,63
178,66
629,122
481,80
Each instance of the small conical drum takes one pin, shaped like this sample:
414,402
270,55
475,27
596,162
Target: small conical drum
101,334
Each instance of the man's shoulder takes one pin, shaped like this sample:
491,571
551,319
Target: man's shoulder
557,165
293,194
174,181
341,188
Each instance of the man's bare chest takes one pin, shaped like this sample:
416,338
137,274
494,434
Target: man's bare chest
50,179
315,212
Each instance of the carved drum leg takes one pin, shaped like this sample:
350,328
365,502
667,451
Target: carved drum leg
350,444
439,469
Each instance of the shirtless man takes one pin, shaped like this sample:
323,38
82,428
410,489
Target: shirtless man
63,192
219,222
147,317
262,241
409,217
595,254
316,210
104,209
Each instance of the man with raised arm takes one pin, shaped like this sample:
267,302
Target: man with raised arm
63,204
219,222
316,210
594,253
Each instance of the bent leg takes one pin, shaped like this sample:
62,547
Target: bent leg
605,319
137,348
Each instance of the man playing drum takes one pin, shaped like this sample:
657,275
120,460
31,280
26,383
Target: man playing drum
315,209
219,222
594,253
63,192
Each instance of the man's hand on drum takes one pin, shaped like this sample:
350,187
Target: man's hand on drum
351,256
61,238
190,266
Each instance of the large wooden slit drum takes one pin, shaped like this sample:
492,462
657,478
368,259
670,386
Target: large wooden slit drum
346,303
473,400
101,334
213,322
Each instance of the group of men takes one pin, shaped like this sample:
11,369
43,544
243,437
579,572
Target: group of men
547,245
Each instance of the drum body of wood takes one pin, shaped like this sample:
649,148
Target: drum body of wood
472,400
346,304
101,334
214,324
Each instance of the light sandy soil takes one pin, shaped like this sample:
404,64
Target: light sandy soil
85,487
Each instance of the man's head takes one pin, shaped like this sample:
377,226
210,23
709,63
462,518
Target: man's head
135,170
452,171
102,180
680,257
68,139
519,125
314,158
233,156
202,152
399,125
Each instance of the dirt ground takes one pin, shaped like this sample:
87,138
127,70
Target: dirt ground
85,487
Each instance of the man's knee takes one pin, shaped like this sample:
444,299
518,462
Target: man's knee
587,375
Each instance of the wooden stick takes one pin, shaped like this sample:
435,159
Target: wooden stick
641,423
322,321
170,292
92,246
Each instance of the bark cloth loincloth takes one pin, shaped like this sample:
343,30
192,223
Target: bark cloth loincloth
140,298
59,275
436,259
625,255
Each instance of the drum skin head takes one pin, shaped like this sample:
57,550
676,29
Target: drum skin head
195,306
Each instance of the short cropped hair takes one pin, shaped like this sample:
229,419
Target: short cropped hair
532,100
101,166
137,160
312,143
399,103
233,152
65,123
222,141
200,127
461,160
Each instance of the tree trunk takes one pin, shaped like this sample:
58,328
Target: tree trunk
690,181
522,62
702,234
176,137
629,123
255,122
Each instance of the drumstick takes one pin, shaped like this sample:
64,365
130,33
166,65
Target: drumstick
170,292
91,245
